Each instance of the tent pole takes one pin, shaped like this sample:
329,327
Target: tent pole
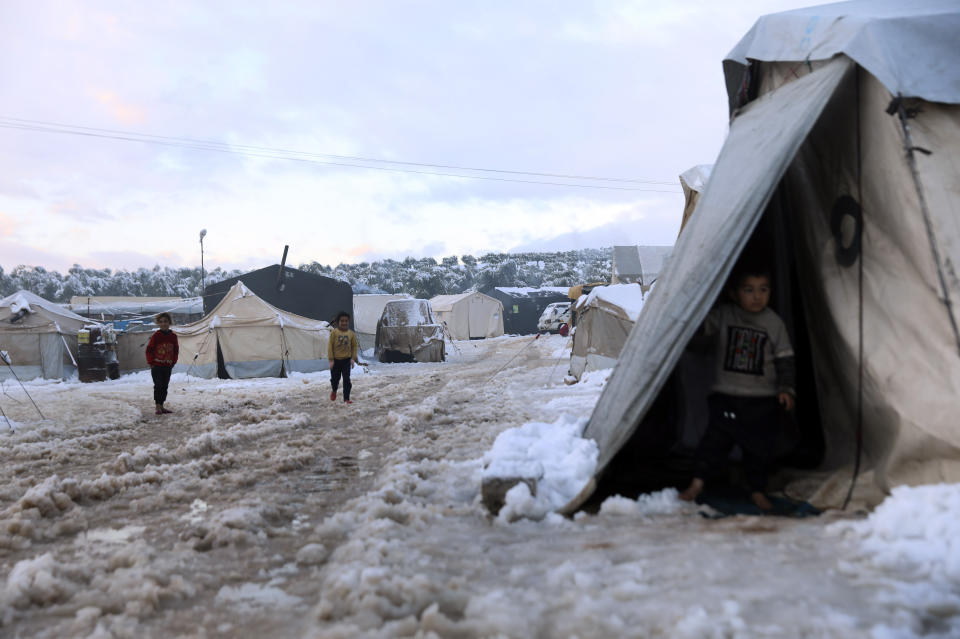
909,147
859,437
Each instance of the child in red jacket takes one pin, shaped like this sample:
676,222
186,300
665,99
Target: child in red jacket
162,352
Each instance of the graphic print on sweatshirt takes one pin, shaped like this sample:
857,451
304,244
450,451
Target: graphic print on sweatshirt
343,341
744,350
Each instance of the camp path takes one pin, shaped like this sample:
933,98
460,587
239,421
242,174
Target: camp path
112,515
261,508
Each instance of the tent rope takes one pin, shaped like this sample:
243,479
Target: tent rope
449,335
525,347
909,147
859,435
9,423
557,363
17,377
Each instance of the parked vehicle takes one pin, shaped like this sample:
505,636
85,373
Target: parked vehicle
553,316
408,331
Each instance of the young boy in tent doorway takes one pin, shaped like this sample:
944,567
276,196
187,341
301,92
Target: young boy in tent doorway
342,353
162,352
755,378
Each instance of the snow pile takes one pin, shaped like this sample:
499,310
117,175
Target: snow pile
554,455
18,302
913,540
628,297
664,502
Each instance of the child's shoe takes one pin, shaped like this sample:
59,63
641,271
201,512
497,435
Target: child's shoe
165,411
159,411
333,395
347,401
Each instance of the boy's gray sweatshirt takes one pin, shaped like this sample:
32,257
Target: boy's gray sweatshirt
754,357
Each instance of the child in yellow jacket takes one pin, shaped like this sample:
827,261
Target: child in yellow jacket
342,353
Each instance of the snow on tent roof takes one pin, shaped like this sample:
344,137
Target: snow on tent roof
923,33
628,297
407,313
26,298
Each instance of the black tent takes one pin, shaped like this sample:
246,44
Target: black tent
299,292
522,306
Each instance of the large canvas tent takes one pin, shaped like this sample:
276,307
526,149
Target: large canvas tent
843,163
39,336
246,337
306,294
605,318
469,315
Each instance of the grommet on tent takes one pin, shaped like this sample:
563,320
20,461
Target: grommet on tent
846,224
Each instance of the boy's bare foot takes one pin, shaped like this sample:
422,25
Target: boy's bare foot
760,501
694,489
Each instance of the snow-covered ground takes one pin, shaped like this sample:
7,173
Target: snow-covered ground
260,508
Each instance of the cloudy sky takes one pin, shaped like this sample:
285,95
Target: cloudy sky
127,127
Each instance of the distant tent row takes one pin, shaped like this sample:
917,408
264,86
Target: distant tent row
40,337
841,170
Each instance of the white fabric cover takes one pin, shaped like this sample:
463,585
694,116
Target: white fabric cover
469,315
913,48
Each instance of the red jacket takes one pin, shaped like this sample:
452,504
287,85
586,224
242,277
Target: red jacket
163,349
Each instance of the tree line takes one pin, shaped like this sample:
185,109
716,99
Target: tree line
423,277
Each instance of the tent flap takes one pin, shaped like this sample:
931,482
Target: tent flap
762,142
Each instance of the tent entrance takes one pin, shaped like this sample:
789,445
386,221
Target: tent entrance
660,452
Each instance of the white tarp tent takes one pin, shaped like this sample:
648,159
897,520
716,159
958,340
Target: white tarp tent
367,310
253,339
605,318
469,315
818,123
40,337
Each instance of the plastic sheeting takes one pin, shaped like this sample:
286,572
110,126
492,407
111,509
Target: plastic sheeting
408,328
910,47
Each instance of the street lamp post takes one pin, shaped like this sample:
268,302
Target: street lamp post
203,232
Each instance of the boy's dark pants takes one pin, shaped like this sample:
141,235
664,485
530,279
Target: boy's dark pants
341,367
750,422
161,381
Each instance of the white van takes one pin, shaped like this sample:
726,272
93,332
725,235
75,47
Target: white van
553,316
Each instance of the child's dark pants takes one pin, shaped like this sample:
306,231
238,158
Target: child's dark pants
750,422
161,381
341,367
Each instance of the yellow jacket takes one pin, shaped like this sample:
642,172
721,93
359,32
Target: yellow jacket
342,345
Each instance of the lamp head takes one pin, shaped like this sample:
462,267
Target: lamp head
203,232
